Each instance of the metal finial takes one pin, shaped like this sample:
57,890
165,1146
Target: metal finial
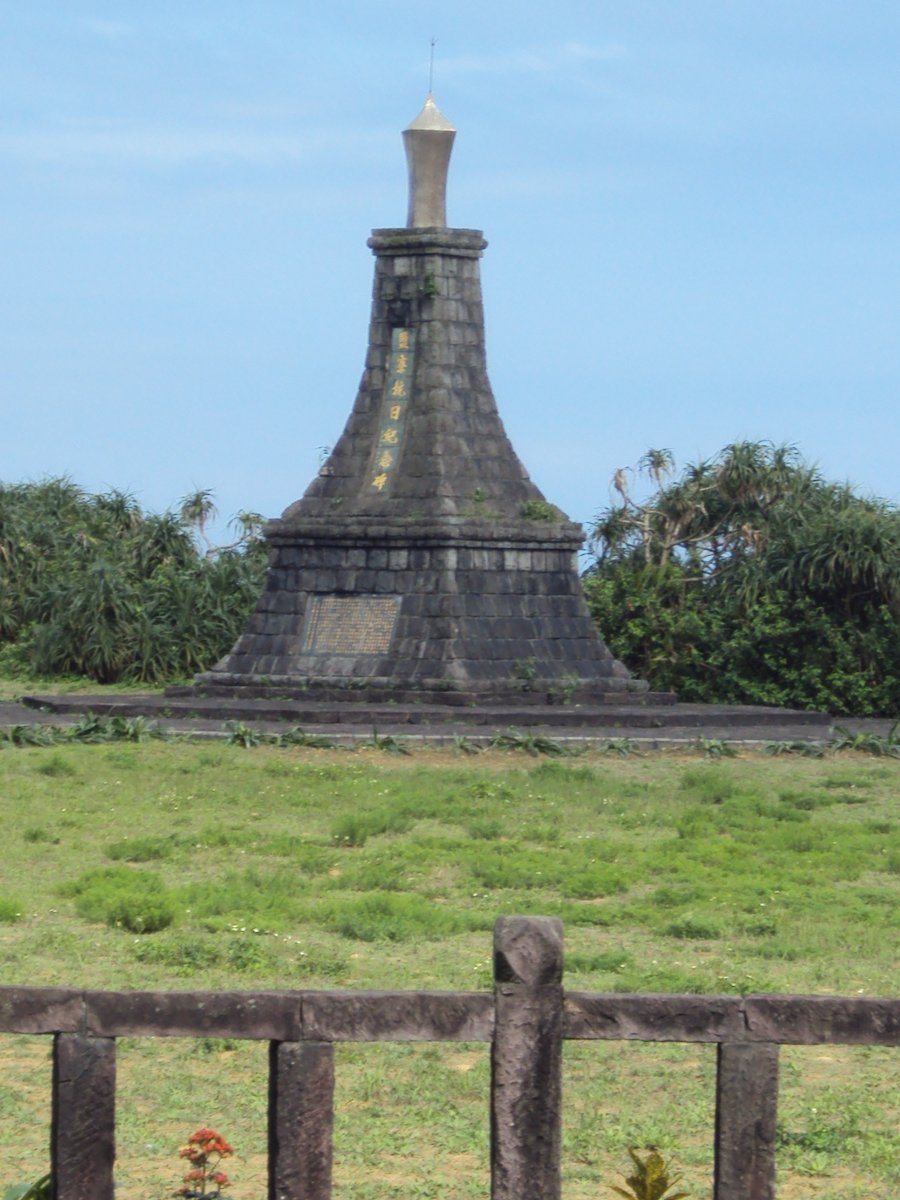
431,68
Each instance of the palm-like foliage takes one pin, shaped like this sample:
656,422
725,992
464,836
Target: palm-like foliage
757,504
91,585
749,578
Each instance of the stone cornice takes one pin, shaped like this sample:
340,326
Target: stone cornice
451,531
458,243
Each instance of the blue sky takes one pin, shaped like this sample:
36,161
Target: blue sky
693,210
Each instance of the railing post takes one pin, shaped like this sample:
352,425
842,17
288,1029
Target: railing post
746,1107
526,1059
301,1119
83,1125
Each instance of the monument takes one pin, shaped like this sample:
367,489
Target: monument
422,562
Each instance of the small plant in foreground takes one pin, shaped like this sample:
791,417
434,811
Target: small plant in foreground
714,748
388,743
41,1189
205,1151
651,1179
298,737
623,746
238,733
465,745
31,735
533,744
795,746
867,743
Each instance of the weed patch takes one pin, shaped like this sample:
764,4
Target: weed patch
10,910
395,918
695,928
56,766
132,900
142,849
355,828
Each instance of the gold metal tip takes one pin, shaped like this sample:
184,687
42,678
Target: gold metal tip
431,118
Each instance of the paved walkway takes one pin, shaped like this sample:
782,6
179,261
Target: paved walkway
672,725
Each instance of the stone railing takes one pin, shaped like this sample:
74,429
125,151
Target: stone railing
525,1019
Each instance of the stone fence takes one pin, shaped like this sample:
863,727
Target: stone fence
525,1018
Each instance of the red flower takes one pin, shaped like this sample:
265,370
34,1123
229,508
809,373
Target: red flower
204,1151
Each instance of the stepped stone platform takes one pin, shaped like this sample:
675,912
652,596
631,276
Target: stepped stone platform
654,724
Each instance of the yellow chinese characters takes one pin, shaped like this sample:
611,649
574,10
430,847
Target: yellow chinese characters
399,388
379,481
386,459
401,362
390,437
402,339
395,411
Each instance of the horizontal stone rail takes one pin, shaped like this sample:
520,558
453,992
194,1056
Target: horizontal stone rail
525,1019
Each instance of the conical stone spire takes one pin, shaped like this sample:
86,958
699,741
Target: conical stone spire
422,558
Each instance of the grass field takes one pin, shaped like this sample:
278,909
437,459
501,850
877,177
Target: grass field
211,866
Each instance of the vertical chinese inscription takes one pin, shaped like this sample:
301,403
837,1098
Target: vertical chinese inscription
393,409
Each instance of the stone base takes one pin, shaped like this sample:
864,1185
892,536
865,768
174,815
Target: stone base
395,608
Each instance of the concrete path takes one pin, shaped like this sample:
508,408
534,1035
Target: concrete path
672,725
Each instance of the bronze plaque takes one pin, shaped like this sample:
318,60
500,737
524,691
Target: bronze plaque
350,624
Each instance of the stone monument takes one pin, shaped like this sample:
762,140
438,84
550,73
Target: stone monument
422,562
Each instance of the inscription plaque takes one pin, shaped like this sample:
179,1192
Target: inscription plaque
350,624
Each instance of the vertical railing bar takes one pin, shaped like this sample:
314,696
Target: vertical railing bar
83,1122
746,1110
301,1120
526,1059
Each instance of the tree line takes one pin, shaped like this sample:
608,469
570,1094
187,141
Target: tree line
748,578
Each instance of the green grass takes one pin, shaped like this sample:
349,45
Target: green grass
273,867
